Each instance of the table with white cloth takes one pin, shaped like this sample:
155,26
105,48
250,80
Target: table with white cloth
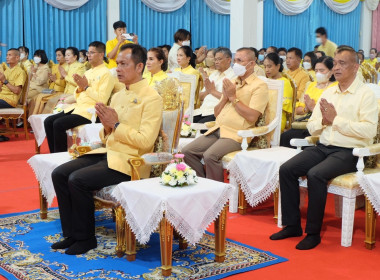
257,172
190,210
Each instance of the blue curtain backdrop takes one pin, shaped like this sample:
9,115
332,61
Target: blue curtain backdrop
299,30
48,28
11,25
154,28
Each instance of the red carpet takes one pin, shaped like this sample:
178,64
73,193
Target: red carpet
19,192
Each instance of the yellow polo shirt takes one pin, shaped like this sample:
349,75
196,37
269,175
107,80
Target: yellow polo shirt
15,76
253,93
259,71
110,45
329,48
301,77
153,79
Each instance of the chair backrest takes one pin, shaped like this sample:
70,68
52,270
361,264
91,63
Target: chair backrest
290,117
188,83
25,90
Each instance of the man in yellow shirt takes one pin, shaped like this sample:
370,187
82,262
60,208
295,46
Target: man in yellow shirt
113,46
242,103
298,74
326,45
345,118
131,125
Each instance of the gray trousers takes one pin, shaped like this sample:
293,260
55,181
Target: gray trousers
211,148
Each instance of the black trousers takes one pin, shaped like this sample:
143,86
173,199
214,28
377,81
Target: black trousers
320,164
56,126
74,183
203,119
290,134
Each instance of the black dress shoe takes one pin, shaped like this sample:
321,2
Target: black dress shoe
63,244
288,231
309,242
82,246
3,138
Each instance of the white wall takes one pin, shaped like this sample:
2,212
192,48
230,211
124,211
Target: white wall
113,14
365,29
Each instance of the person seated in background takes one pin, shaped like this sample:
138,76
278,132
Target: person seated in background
324,79
273,70
242,103
66,74
257,69
24,59
319,54
166,49
309,60
84,59
156,65
298,74
130,130
213,86
344,118
360,57
261,56
377,65
95,86
372,57
326,45
113,46
316,48
282,54
181,38
39,79
209,62
186,62
272,49
12,81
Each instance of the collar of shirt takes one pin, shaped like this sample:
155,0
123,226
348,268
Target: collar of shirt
136,87
159,73
239,83
187,68
351,89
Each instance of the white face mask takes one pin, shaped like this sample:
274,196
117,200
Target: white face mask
307,65
186,43
372,55
318,40
22,56
283,57
81,59
37,59
321,78
239,69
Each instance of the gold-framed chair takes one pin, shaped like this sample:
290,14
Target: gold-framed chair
290,116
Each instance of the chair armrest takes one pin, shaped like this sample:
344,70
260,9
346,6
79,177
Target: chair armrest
299,125
306,142
210,124
199,126
370,150
135,164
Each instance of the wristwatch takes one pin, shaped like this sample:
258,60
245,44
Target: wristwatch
116,125
235,101
5,82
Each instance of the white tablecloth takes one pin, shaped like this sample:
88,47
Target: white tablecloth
190,209
257,171
370,184
37,124
43,165
89,133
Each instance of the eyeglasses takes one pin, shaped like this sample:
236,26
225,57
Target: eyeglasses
91,53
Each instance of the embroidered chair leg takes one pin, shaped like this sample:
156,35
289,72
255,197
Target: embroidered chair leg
242,202
348,214
166,244
338,199
43,204
275,204
220,236
182,241
130,240
120,231
370,225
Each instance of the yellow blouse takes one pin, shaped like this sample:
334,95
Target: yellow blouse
190,71
287,101
313,92
59,84
74,68
154,78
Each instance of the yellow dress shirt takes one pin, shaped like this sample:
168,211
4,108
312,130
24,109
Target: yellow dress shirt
259,71
357,114
313,92
100,85
15,76
59,84
329,48
139,111
301,78
253,93
153,79
39,81
110,45
74,68
287,101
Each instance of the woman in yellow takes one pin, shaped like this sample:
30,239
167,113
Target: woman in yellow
308,64
66,75
324,79
156,66
40,75
273,68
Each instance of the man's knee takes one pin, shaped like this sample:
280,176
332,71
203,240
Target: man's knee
58,174
315,174
286,169
210,157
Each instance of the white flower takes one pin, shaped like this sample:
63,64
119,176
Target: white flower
173,182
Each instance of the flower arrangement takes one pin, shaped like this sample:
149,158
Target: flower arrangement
60,105
186,129
178,173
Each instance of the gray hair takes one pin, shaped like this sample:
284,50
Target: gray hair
225,51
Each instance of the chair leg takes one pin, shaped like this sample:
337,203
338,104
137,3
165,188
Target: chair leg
220,236
130,240
338,205
14,123
166,244
120,231
26,127
370,225
182,241
242,202
348,214
43,204
275,204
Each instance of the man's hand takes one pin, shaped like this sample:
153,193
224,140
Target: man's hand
120,39
229,89
2,77
82,82
328,112
203,73
107,116
62,72
310,103
210,86
135,39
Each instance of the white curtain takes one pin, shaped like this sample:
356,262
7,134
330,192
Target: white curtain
164,6
372,4
66,4
219,6
342,8
292,7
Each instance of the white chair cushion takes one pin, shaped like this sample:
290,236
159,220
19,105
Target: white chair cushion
12,111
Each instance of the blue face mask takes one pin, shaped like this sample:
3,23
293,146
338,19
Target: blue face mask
261,57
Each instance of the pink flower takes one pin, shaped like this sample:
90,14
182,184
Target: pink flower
179,155
172,161
181,167
185,116
187,122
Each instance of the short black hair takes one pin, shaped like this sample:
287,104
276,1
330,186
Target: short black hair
23,48
168,47
282,49
373,49
274,48
84,52
119,24
100,47
251,50
138,54
313,58
263,49
321,30
316,46
225,51
296,51
182,35
321,52
61,50
160,55
74,50
14,50
42,54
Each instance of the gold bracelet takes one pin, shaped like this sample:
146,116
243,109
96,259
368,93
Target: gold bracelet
235,101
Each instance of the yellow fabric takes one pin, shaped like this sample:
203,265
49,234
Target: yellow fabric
252,92
372,61
110,45
312,73
313,92
287,103
17,77
350,180
153,79
59,84
26,65
329,48
259,71
355,125
190,71
39,81
301,78
100,85
139,110
74,68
